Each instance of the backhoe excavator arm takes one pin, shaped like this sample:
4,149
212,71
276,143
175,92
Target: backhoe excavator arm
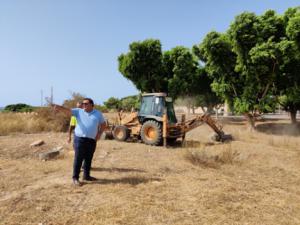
205,118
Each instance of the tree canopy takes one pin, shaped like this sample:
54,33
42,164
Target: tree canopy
176,71
20,107
249,66
143,65
255,60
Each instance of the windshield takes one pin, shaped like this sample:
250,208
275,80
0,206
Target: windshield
147,105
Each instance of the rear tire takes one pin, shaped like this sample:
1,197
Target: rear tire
151,133
121,133
171,141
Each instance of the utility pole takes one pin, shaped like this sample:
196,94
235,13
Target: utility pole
51,98
42,98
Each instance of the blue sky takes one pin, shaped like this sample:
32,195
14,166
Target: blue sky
73,45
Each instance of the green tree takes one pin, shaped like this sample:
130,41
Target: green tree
112,103
205,97
143,66
254,41
216,52
244,62
180,71
176,72
20,107
200,93
101,108
130,102
289,80
152,70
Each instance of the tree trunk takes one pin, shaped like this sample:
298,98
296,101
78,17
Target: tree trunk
188,109
251,121
293,114
226,109
210,109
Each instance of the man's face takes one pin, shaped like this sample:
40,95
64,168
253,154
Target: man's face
87,106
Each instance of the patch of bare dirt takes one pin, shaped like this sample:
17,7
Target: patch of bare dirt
140,184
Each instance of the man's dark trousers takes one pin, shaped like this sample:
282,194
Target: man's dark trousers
84,150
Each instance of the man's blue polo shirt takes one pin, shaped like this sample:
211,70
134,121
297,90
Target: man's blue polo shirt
87,122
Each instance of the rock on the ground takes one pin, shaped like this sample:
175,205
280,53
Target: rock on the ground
50,154
37,143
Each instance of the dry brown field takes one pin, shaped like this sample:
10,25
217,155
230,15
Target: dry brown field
254,179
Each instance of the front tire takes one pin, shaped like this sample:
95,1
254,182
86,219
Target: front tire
121,133
151,133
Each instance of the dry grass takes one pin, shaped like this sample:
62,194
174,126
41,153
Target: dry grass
43,120
274,139
254,180
40,121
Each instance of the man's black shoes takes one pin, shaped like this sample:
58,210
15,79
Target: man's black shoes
76,182
90,178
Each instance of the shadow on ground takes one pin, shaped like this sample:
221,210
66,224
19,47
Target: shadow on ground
190,144
279,129
126,180
121,170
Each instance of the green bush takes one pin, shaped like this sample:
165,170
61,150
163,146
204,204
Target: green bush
130,102
101,108
20,107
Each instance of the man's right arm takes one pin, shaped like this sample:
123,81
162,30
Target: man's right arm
59,108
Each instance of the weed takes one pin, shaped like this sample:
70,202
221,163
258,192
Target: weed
201,157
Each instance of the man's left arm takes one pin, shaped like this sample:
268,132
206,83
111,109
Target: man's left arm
101,129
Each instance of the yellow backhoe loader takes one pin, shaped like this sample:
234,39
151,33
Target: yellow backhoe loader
156,123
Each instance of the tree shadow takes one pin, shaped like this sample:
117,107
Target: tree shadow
236,123
120,170
279,129
239,121
190,144
125,180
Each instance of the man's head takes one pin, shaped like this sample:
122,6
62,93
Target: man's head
87,104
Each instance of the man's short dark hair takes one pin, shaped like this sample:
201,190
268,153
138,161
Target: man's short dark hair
90,101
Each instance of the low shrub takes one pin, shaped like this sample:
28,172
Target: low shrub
43,119
48,120
200,157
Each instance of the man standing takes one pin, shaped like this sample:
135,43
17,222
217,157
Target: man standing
90,125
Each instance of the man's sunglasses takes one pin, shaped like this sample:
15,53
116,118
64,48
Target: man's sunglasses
85,103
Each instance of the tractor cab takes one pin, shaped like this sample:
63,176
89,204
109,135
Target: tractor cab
154,105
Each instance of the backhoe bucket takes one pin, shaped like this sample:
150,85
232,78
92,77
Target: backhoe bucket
222,137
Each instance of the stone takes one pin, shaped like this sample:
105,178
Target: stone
37,143
59,148
50,154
